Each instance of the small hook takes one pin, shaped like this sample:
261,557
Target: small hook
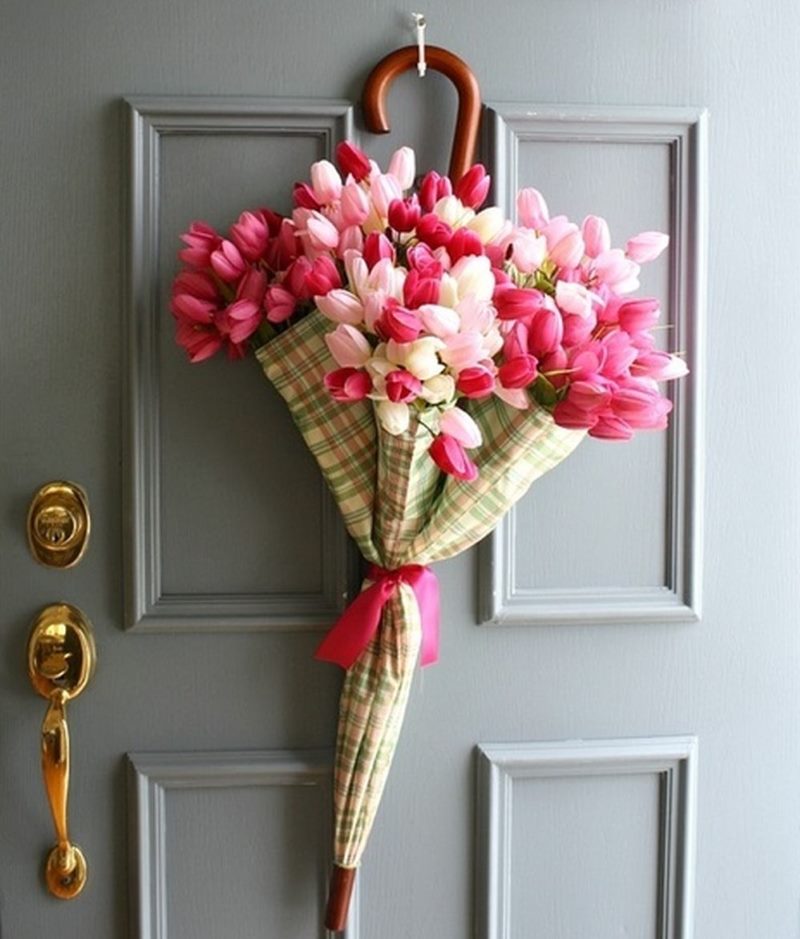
460,74
419,20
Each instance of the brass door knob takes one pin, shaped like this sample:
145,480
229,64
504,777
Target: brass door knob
61,660
59,524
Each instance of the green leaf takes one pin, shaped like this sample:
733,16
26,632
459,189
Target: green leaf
544,393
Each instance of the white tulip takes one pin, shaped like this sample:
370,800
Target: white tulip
394,416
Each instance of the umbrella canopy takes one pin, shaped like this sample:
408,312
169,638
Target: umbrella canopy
402,511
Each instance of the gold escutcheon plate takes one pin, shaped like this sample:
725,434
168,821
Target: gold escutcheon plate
59,524
61,651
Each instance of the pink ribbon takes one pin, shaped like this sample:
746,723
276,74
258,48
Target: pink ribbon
351,633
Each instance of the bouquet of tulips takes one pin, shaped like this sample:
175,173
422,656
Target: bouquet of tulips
437,358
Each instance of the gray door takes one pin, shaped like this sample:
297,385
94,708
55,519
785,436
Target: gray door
609,744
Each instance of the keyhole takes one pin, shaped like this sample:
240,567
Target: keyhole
55,526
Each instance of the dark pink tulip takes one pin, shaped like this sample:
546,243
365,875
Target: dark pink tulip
250,234
196,284
201,241
284,247
476,381
567,414
273,219
303,197
421,259
200,343
553,366
399,324
609,427
352,160
546,332
516,340
419,289
433,188
323,277
518,372
586,364
279,303
433,231
402,386
464,242
184,306
635,316
589,396
577,329
377,247
404,214
473,187
296,278
348,384
448,454
228,262
513,303
252,286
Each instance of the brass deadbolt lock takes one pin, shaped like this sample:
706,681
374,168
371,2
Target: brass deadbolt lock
59,524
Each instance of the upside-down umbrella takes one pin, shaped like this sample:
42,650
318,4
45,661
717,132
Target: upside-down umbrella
402,511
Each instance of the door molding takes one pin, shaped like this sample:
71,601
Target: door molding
684,132
147,606
152,775
501,765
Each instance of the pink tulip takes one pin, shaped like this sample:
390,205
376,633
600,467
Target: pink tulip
528,250
403,167
341,306
451,458
464,243
303,197
199,342
352,160
456,423
641,407
596,236
193,309
404,214
323,277
296,278
516,340
348,346
513,303
473,187
195,284
280,304
619,353
566,414
399,324
440,320
355,204
418,289
252,286
244,317
518,372
433,188
635,316
565,246
660,366
588,396
250,234
546,332
348,384
227,262
325,182
617,272
322,233
351,239
609,427
462,350
402,386
532,209
420,258
646,246
433,231
284,247
553,366
201,241
476,381
377,247
577,329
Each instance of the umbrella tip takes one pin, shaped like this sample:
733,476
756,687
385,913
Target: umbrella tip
339,893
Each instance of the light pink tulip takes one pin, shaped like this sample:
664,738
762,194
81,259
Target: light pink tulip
596,236
564,242
403,167
532,209
457,423
341,306
383,190
355,204
349,346
322,233
462,350
351,239
618,273
439,320
646,246
325,181
660,366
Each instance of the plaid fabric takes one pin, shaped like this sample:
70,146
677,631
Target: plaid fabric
400,510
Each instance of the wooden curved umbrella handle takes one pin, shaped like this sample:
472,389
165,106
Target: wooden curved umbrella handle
459,73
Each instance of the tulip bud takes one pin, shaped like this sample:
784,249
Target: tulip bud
473,187
635,316
518,372
439,389
399,324
449,455
303,196
564,242
403,167
596,236
280,304
250,235
404,214
546,332
352,160
532,209
341,306
516,302
433,188
476,381
325,181
227,262
464,243
323,276
322,233
566,414
201,241
348,384
646,246
348,346
419,289
609,427
433,231
296,278
355,204
440,320
402,386
377,247
383,190
394,416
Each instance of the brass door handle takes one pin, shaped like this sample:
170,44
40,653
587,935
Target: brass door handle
61,660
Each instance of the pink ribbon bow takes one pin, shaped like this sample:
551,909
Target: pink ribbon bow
351,633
